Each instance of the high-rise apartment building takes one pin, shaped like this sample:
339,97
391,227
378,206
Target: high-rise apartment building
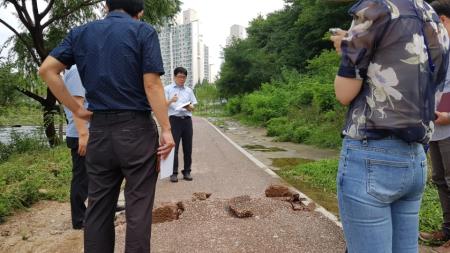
236,32
182,46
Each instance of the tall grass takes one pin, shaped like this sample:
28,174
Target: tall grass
31,171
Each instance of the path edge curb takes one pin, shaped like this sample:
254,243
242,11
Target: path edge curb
261,165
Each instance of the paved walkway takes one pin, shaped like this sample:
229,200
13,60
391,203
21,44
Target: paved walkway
220,168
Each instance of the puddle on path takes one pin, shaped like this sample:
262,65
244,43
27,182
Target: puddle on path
262,148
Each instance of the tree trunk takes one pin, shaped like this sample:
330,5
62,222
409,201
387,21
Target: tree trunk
49,110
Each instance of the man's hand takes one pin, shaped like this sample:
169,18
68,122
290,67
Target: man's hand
167,143
443,118
337,40
83,114
174,98
189,107
82,143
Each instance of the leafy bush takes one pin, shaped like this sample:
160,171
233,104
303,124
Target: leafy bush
297,107
233,105
277,126
5,151
21,143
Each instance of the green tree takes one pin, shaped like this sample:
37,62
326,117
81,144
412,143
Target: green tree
7,91
207,95
43,27
285,39
245,68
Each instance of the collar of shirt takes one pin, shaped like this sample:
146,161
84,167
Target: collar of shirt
118,14
179,87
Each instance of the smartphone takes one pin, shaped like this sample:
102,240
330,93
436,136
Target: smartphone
334,31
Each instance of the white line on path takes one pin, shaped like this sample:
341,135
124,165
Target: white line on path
319,208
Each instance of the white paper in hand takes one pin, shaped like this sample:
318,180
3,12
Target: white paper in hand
181,107
166,165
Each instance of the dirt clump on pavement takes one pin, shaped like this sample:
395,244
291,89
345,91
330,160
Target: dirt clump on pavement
200,196
241,206
167,212
274,227
278,191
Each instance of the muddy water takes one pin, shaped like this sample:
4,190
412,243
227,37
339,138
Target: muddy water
281,155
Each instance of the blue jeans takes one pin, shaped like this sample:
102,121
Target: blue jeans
380,185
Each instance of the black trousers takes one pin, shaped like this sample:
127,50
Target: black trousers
78,186
440,160
182,131
122,144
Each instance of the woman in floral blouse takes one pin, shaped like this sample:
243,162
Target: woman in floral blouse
393,58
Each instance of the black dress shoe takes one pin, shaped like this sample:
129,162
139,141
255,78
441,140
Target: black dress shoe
173,178
187,177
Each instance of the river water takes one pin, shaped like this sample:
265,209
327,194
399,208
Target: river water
7,132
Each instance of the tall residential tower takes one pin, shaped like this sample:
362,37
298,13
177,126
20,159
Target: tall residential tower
182,46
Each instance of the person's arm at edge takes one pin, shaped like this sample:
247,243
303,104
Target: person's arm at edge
346,89
81,126
156,97
50,72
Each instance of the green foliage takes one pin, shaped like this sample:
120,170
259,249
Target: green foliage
430,211
157,12
245,69
21,143
233,106
320,174
297,107
286,39
9,79
34,175
209,101
21,114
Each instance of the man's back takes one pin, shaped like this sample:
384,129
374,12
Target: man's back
112,55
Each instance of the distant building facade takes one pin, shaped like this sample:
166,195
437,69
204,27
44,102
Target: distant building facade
182,46
236,32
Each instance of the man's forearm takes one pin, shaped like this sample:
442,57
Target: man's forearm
81,126
50,72
155,95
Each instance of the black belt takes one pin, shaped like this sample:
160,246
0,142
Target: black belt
180,117
121,112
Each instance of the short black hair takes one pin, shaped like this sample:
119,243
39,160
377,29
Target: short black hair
180,70
441,7
132,7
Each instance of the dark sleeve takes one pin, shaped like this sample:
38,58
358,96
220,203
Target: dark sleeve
64,51
152,60
370,18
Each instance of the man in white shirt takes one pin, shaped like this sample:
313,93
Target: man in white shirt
181,101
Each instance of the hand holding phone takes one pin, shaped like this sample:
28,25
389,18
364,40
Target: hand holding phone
335,31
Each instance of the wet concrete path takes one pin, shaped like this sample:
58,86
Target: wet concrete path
220,168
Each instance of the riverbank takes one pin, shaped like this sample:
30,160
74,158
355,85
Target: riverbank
20,115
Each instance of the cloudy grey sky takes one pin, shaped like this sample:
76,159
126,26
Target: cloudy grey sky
216,18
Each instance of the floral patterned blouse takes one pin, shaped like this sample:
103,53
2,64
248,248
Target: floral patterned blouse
400,50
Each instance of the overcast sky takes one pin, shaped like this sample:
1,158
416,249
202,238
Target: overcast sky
216,18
